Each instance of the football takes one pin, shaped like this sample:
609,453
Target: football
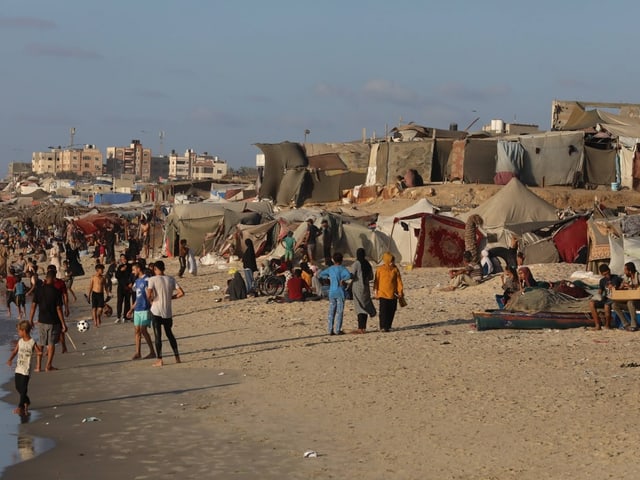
83,326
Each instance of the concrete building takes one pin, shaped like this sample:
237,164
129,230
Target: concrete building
84,161
132,160
193,166
19,168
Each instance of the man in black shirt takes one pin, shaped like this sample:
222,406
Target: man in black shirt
48,300
123,275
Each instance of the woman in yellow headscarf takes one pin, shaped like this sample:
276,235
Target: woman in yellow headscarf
387,287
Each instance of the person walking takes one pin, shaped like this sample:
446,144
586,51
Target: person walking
47,299
387,287
160,292
123,276
140,311
362,275
24,349
337,275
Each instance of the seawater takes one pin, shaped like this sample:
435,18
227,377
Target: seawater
15,447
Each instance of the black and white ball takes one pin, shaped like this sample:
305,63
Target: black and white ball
83,326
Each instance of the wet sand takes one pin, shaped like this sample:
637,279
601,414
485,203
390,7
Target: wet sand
260,384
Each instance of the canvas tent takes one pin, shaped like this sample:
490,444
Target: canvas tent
473,160
513,208
403,238
552,158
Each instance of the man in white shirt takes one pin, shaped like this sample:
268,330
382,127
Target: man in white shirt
160,292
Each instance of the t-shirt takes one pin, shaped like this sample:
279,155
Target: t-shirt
25,353
336,275
313,233
11,281
48,298
140,286
613,279
295,287
163,287
289,243
19,288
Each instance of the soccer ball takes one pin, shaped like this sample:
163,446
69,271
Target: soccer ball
83,326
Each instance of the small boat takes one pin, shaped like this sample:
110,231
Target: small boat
498,319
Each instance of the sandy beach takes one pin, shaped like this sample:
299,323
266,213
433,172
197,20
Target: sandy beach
260,384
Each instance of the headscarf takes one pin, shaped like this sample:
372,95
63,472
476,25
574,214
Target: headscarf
367,271
528,281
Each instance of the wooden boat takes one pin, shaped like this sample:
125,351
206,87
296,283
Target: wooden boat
497,319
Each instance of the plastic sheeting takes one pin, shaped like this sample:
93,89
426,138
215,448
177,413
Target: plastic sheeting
552,158
600,166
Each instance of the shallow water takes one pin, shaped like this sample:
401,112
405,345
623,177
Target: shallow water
15,447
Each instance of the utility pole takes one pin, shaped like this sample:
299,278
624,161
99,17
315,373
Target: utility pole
72,134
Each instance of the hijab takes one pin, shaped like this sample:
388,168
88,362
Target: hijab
367,271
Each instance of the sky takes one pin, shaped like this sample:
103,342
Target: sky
220,76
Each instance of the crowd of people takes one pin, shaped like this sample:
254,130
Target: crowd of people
144,294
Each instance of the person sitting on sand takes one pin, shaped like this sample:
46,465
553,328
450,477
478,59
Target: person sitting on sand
510,286
525,278
629,281
607,282
96,294
467,276
297,288
24,349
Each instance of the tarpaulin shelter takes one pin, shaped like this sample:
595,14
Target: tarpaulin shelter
571,241
389,160
552,158
509,162
195,220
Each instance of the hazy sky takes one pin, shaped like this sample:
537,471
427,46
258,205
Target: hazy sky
219,76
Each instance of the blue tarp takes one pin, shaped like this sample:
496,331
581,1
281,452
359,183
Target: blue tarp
112,198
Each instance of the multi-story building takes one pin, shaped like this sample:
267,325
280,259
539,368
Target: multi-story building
85,160
180,165
132,160
193,166
19,168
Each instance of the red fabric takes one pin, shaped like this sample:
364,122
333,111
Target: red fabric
502,178
571,239
11,281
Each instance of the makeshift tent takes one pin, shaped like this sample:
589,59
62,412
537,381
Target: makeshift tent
552,158
403,244
473,160
392,159
195,220
512,207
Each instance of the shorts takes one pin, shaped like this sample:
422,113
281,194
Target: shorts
49,333
142,318
11,297
601,303
20,299
97,300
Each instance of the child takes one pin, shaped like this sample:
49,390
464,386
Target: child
96,295
24,350
10,283
68,278
20,294
337,275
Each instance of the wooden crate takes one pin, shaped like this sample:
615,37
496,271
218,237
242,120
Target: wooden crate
625,295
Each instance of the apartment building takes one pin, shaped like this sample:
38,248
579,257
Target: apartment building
132,160
194,166
85,160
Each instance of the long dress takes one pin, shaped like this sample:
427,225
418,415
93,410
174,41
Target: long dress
54,259
362,302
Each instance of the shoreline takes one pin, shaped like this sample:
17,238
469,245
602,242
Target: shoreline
260,384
